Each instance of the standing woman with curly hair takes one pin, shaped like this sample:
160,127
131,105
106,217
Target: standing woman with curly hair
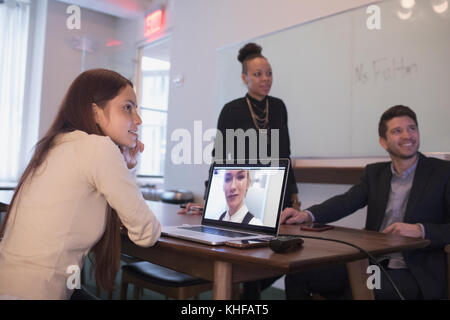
75,193
258,111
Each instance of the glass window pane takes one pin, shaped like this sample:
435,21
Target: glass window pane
153,135
14,24
155,90
154,96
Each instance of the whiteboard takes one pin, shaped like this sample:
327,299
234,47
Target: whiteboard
337,77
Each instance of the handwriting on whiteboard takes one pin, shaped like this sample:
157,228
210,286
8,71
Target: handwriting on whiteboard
385,69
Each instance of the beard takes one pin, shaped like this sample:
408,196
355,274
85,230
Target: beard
403,156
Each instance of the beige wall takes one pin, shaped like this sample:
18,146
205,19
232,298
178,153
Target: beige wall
61,62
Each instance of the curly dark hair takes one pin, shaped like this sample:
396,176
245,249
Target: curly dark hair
249,52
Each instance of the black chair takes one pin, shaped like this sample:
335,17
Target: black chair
3,207
123,257
157,278
173,284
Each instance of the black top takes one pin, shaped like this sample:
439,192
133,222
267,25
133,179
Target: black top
247,218
236,115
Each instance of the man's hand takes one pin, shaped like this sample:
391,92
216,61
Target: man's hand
405,229
131,155
291,216
295,203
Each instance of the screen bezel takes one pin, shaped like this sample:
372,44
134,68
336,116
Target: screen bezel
249,163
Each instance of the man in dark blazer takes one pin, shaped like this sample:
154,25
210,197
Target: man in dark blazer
409,196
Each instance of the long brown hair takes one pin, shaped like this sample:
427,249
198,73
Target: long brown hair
97,86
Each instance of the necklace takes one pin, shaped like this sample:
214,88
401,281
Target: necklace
259,122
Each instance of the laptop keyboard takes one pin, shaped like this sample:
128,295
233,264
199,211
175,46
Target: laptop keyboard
219,232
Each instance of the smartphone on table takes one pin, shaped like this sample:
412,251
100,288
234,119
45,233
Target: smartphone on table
316,227
252,243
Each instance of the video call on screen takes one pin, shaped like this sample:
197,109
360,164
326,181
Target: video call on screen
257,191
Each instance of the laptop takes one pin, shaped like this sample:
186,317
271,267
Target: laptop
243,201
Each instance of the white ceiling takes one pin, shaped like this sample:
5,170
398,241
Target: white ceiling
128,9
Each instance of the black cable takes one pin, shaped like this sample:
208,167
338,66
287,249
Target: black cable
371,258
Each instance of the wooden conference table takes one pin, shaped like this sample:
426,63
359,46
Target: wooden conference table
224,265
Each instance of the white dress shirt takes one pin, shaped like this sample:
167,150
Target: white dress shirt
239,216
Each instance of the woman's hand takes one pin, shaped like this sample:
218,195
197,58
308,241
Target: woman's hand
131,154
192,208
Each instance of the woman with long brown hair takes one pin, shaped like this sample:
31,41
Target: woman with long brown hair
75,193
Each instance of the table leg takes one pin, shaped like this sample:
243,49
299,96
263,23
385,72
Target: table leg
447,250
357,275
222,280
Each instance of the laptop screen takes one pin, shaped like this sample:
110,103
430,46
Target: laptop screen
246,196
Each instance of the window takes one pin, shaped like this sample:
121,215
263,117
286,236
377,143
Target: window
154,94
14,21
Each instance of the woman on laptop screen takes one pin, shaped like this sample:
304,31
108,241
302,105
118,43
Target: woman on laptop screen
235,187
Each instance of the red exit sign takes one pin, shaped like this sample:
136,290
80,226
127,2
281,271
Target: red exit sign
153,22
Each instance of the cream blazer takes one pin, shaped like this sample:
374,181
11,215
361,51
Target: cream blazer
61,214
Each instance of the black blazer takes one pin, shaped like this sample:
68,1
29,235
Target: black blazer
428,204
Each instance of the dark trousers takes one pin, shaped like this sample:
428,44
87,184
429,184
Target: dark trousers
331,282
252,289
